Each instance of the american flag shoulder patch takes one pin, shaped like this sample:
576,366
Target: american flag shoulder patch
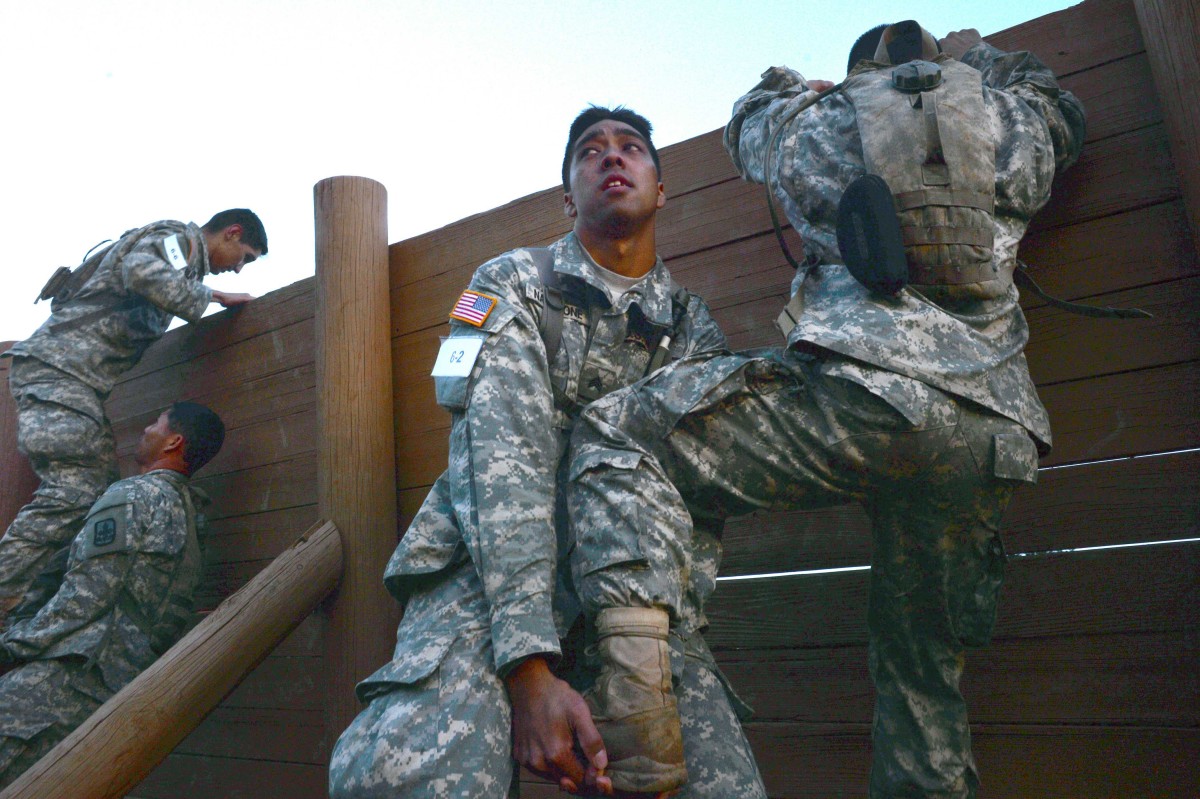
473,308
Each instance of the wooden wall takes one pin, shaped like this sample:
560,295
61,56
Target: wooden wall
1091,689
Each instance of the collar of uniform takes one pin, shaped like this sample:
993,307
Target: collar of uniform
170,475
653,293
195,234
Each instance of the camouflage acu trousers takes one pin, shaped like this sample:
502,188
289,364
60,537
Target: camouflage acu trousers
724,435
438,721
62,430
41,703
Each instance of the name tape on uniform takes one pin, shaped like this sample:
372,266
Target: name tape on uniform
174,252
456,357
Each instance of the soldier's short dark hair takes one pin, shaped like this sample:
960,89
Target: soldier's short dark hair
866,45
253,232
202,430
596,113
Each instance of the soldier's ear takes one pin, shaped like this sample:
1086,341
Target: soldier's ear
569,206
173,443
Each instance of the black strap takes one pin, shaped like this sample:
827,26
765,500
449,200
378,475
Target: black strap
551,323
1023,280
767,182
679,307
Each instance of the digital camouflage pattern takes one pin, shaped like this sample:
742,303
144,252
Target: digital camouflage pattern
63,373
125,598
125,306
970,349
922,413
482,569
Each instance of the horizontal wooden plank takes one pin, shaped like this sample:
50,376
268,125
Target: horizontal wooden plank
257,536
820,761
232,778
1144,589
274,486
1101,504
533,220
218,373
1148,680
280,308
1152,410
1077,38
1117,174
281,683
1115,96
1123,251
1066,346
290,736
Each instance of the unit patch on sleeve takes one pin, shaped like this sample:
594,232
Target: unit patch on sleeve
473,308
104,532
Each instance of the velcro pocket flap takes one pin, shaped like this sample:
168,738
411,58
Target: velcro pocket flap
1015,457
423,653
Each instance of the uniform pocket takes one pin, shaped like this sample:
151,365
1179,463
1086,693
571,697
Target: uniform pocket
600,544
423,654
1014,457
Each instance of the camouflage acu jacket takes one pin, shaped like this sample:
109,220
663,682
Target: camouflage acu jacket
148,276
972,349
133,566
512,418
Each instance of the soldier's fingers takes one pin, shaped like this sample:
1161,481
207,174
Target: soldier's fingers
589,738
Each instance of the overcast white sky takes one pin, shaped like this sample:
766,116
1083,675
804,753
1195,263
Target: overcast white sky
121,112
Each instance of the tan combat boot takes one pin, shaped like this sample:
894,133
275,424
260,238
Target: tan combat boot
632,702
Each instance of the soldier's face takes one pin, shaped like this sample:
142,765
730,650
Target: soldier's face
613,176
153,439
228,253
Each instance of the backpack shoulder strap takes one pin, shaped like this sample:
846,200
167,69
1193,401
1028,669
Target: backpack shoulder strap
551,323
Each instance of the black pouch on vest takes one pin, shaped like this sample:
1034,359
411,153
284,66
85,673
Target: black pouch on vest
868,235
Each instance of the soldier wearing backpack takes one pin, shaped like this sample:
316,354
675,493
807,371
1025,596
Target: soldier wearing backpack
105,314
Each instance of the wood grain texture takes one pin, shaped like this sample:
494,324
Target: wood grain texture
1171,31
355,441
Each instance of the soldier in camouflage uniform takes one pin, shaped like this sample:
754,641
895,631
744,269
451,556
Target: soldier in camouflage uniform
474,687
124,600
62,374
919,406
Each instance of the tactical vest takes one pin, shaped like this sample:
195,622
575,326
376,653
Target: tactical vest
923,130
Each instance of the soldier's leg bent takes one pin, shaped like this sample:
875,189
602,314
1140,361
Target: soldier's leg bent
62,430
641,458
438,722
935,579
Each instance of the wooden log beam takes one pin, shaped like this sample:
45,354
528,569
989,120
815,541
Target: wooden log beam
356,484
1171,30
133,731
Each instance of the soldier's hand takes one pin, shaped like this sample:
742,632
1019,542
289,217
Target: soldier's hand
820,85
548,717
229,300
959,42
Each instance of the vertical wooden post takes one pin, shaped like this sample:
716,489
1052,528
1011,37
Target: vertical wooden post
356,482
17,480
1171,32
